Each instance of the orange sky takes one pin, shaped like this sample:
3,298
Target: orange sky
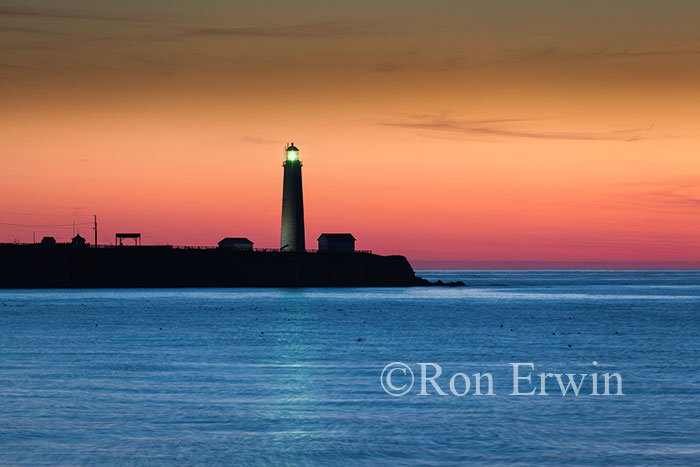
446,131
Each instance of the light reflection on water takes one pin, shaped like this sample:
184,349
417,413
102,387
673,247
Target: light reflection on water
279,376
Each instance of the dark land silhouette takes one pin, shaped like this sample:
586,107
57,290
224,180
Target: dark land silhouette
79,266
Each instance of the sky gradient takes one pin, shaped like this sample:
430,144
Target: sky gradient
457,133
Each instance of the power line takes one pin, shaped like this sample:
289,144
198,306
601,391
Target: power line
39,214
45,225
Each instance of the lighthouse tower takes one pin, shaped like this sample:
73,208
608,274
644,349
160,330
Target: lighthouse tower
292,238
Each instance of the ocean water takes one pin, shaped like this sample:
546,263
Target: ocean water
293,376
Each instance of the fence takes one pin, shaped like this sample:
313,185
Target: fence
174,247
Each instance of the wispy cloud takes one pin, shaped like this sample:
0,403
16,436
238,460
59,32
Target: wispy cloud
504,128
28,30
554,55
319,29
167,32
676,196
256,140
680,192
626,53
24,12
157,65
671,195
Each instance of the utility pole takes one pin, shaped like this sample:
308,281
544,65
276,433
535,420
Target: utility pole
95,227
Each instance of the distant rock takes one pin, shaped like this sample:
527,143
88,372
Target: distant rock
440,283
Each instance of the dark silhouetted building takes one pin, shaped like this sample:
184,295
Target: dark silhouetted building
337,242
48,241
236,243
77,241
292,238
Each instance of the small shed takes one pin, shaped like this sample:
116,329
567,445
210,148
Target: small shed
236,243
336,242
78,240
48,241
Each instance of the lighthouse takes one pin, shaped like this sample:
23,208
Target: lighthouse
292,238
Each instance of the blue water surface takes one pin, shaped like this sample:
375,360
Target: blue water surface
292,376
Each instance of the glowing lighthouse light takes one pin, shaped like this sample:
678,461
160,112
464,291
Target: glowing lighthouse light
292,152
